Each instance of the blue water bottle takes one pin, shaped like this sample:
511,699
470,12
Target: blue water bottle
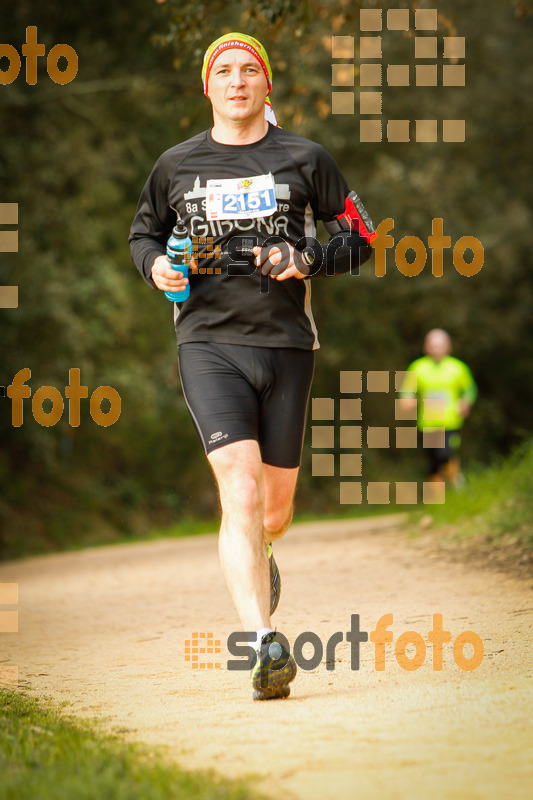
179,251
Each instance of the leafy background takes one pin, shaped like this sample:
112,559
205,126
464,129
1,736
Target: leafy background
75,158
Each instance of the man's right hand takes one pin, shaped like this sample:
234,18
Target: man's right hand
168,279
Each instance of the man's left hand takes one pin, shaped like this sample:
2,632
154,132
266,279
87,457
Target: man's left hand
279,261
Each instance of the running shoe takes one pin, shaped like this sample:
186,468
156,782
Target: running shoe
275,580
268,681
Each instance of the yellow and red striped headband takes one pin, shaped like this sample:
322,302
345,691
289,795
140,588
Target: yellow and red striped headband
232,40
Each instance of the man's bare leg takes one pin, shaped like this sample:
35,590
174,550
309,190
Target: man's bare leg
450,470
257,506
243,483
239,473
280,485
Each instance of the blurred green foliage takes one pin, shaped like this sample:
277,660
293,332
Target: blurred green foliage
75,158
496,503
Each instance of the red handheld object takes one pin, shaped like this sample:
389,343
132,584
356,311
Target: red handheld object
357,217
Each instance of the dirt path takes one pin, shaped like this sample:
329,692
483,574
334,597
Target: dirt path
106,628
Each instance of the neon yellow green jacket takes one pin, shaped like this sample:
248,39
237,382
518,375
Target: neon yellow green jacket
439,386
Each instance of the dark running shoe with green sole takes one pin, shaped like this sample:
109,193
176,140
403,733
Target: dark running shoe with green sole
275,580
274,669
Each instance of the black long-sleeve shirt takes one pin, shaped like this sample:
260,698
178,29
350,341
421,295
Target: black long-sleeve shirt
238,305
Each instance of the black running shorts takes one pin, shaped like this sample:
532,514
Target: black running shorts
438,456
236,392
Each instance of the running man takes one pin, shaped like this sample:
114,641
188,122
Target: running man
444,390
246,333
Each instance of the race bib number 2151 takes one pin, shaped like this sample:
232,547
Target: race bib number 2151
241,198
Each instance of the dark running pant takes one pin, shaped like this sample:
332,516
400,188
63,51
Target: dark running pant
438,456
235,392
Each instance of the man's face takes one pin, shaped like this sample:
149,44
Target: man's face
237,86
437,345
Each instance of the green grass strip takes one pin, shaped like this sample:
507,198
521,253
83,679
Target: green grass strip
496,501
46,756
